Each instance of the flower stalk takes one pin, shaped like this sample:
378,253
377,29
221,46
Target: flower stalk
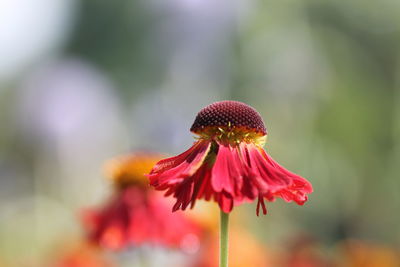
223,239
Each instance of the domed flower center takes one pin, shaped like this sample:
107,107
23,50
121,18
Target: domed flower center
230,121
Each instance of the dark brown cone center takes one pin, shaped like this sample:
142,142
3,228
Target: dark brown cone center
229,114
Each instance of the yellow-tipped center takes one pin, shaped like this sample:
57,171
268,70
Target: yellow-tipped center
233,135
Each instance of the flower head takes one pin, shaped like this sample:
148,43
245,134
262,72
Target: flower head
230,122
136,215
227,163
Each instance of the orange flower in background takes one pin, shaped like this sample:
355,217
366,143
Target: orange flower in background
227,163
80,255
245,251
205,215
136,215
358,253
3,263
304,251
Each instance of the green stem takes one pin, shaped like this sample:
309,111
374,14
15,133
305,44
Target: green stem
223,240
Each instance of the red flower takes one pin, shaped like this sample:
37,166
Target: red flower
227,163
136,215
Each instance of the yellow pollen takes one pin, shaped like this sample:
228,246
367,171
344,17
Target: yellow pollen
232,135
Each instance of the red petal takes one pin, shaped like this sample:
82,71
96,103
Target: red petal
174,170
183,194
193,188
258,181
225,202
271,179
261,203
185,176
261,167
202,184
227,171
298,181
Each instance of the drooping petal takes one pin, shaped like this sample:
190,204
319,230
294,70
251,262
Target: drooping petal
202,185
261,203
299,187
186,176
183,176
298,181
224,182
227,171
174,170
232,178
205,189
279,181
192,188
262,168
183,194
232,175
257,180
225,202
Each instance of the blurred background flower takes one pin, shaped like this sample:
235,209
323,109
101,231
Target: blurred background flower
135,215
79,253
82,81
